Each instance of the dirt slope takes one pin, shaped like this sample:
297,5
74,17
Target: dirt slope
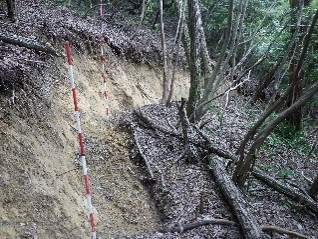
38,146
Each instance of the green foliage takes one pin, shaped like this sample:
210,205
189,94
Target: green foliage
284,172
286,135
213,108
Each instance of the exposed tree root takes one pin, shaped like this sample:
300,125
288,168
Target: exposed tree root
193,225
279,230
143,156
26,42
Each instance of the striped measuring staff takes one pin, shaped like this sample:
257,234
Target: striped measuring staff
80,140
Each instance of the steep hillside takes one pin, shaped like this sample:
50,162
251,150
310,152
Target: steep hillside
152,174
43,193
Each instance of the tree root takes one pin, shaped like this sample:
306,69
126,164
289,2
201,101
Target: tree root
143,156
28,43
265,228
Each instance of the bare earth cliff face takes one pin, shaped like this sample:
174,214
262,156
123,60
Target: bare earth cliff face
39,146
42,189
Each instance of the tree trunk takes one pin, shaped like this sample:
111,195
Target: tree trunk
275,73
235,199
177,41
194,60
293,74
245,165
165,91
313,191
11,9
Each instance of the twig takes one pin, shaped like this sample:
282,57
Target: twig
171,126
225,92
306,178
203,123
71,170
180,156
74,128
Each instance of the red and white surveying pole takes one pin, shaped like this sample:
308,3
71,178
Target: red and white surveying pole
101,8
102,62
80,140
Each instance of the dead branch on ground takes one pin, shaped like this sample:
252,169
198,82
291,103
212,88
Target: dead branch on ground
246,219
293,194
193,225
279,230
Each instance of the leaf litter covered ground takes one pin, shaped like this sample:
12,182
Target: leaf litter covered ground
40,198
186,193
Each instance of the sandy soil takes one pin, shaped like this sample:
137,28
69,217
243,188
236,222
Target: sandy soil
41,180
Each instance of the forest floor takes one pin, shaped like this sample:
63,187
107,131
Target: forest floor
40,176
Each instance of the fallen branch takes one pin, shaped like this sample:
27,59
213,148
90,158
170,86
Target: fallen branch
163,182
257,173
235,199
26,42
155,126
269,229
192,140
213,149
292,193
193,225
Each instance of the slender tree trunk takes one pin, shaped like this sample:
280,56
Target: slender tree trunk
177,41
313,191
245,162
296,118
244,166
194,60
276,73
165,91
11,9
